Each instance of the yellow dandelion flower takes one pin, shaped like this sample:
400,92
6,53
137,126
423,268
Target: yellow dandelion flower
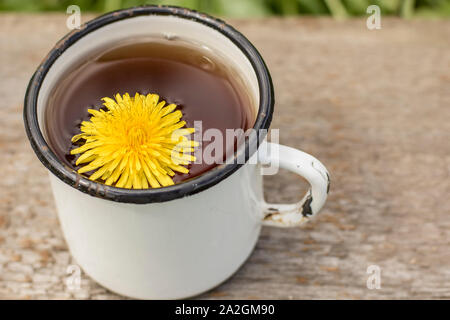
135,143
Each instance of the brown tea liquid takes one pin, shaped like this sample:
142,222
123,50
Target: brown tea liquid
202,87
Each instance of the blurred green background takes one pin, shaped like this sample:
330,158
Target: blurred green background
252,8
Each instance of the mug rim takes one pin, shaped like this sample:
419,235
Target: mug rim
150,195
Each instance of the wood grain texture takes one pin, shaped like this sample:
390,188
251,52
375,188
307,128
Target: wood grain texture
373,106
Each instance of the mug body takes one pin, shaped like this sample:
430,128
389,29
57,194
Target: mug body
165,243
168,250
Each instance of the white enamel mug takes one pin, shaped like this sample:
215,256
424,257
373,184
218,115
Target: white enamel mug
178,241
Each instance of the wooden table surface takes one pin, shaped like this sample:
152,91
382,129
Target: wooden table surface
373,106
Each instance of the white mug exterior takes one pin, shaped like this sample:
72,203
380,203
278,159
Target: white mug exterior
183,247
169,250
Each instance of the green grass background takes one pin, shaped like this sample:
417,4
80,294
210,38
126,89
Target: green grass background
251,8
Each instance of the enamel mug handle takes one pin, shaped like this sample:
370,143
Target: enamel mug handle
305,165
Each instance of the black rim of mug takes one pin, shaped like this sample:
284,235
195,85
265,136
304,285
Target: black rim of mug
142,196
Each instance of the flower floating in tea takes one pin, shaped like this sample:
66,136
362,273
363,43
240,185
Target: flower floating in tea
135,142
